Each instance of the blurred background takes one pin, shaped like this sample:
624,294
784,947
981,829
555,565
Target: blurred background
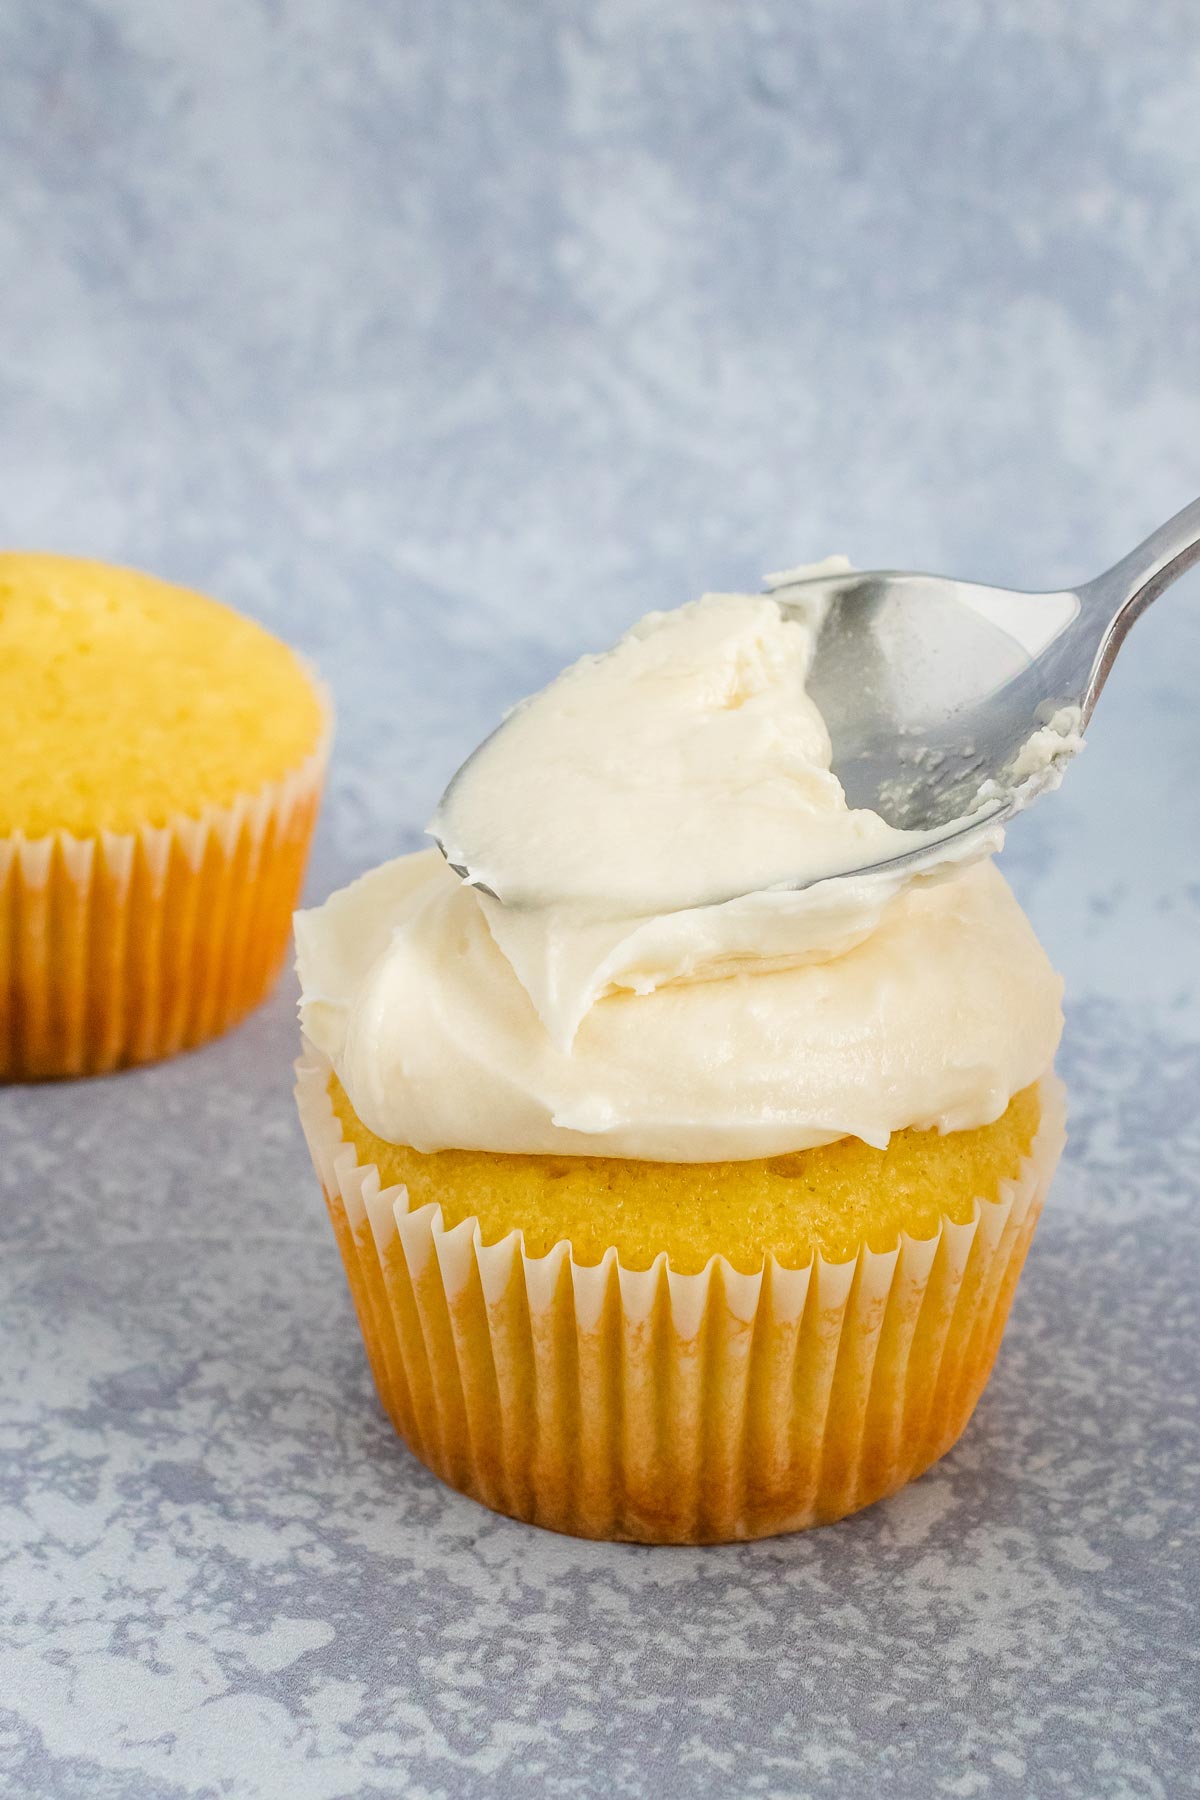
448,336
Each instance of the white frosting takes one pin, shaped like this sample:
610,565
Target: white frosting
1041,761
614,1000
685,767
936,1018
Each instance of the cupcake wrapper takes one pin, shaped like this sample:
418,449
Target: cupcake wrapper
126,947
665,1408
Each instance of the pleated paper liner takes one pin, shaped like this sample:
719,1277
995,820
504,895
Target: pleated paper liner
126,947
666,1408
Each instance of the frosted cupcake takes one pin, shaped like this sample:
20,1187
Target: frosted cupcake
678,1203
160,769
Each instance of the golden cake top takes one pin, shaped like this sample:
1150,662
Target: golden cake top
125,700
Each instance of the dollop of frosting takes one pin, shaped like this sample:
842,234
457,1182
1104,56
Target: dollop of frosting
685,767
630,971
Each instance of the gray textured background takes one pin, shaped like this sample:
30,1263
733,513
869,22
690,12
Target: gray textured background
447,338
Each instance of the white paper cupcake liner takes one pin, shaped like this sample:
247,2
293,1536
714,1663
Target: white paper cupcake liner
646,1404
128,946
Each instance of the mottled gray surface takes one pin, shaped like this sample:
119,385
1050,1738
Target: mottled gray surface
447,337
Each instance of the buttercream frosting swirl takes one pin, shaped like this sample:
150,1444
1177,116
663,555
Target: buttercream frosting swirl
634,976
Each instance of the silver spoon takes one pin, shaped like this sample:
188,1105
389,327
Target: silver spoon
949,705
932,688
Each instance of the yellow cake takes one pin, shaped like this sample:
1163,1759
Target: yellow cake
828,1201
819,1341
160,763
682,1172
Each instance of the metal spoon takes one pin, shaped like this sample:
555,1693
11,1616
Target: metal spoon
931,688
949,705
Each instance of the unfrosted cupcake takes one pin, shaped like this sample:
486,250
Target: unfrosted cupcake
160,768
677,1204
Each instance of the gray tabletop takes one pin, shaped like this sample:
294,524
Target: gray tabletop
447,339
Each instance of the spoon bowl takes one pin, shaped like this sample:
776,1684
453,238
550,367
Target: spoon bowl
951,705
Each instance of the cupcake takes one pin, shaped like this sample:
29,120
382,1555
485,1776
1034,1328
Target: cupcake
160,768
682,1178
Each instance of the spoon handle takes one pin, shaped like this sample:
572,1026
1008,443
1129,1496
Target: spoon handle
1123,593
